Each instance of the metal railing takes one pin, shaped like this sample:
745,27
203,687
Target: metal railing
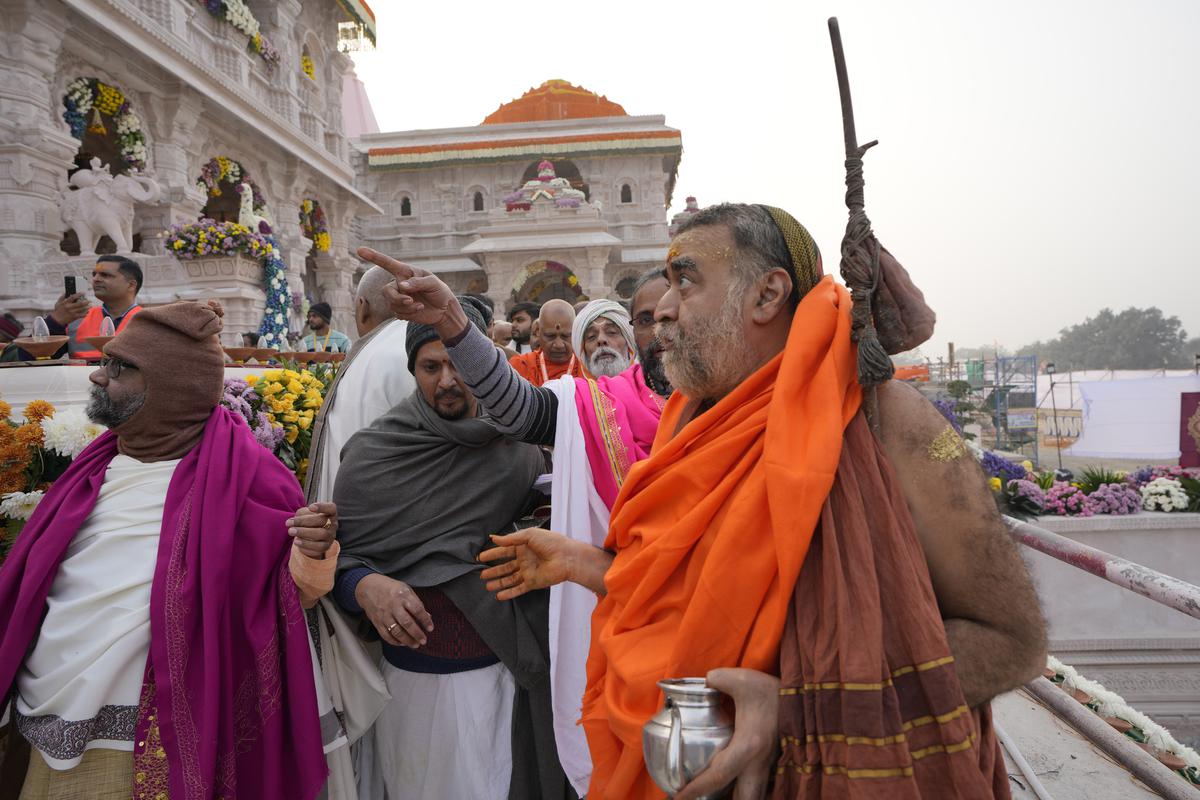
1171,592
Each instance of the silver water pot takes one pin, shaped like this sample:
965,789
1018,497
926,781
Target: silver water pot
681,739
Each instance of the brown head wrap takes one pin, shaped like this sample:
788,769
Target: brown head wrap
177,350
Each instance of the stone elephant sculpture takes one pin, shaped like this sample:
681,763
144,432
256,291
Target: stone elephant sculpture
102,205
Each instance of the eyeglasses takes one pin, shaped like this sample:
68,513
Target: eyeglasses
643,321
112,367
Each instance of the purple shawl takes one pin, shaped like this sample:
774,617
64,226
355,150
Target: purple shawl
228,703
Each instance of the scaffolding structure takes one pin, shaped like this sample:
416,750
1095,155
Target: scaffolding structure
1003,395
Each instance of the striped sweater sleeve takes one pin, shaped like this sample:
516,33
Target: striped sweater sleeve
519,409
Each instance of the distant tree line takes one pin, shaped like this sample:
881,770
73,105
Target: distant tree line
1136,338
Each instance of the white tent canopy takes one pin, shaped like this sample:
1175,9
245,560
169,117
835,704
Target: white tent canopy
1136,418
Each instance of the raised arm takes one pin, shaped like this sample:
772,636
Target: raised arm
519,409
987,600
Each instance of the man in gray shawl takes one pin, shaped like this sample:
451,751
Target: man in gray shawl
419,492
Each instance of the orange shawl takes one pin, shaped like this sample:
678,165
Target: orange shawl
688,591
530,367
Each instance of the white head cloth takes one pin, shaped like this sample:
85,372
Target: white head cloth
593,311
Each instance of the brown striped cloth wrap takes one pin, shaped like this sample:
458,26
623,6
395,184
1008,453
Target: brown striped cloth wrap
870,705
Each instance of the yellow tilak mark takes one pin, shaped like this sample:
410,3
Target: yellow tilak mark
946,446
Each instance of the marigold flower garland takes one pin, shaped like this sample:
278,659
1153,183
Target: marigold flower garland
314,225
88,95
238,14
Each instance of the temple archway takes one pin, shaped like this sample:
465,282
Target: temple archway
546,280
101,117
219,179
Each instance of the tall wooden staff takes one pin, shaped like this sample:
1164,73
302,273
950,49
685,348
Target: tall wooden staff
860,250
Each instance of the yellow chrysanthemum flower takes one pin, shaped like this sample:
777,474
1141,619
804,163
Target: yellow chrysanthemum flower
304,423
995,484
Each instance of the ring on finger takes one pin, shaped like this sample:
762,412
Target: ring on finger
328,523
389,627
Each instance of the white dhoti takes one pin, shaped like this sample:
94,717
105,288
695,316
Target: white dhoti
446,736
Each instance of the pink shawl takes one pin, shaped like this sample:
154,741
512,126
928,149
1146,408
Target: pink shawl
228,703
619,417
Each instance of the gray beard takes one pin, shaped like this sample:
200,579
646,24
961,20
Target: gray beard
103,411
709,361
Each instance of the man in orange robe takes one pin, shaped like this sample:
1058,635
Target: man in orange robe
851,609
555,357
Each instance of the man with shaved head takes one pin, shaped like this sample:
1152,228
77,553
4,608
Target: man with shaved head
555,357
370,381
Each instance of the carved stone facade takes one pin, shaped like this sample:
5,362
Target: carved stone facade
199,93
444,195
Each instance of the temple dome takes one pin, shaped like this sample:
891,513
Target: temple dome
555,99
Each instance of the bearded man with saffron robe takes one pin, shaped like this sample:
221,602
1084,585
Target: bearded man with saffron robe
841,587
151,631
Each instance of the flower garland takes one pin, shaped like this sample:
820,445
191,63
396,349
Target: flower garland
314,225
238,14
225,170
1137,726
309,68
88,96
208,238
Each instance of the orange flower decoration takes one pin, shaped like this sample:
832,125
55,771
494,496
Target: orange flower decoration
30,434
5,411
38,410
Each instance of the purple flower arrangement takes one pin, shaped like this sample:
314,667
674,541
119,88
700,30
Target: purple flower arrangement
1067,500
1140,477
1026,497
208,237
1115,498
997,466
243,400
945,406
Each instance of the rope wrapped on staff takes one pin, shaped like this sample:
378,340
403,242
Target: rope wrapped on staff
889,314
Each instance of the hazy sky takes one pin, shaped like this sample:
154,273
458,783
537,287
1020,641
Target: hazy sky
1038,161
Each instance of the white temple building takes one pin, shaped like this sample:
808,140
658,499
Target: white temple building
558,193
186,100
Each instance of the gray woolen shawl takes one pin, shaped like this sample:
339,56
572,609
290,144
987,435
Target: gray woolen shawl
417,498
418,495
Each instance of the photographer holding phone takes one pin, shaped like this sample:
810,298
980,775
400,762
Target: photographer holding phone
116,281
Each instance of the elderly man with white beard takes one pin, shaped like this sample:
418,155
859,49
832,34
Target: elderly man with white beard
602,337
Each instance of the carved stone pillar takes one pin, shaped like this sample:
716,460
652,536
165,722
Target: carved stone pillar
36,150
594,286
173,122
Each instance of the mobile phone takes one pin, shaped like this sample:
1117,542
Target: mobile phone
69,286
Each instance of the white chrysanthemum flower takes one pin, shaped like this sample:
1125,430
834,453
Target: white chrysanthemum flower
1164,494
69,432
20,505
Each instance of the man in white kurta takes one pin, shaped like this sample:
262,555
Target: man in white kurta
372,379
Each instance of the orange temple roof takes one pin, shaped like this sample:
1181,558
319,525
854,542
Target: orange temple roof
555,99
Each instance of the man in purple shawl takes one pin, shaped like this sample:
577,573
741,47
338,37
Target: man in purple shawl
600,425
152,642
